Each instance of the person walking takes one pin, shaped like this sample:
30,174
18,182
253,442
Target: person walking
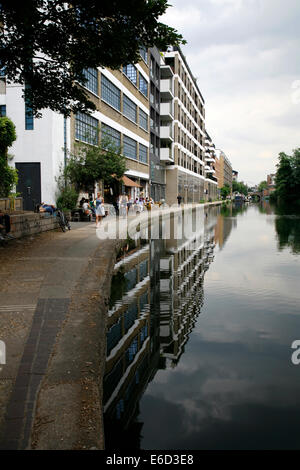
179,198
123,207
100,211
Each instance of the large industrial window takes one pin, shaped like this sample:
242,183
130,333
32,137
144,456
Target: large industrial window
143,154
143,52
91,82
129,147
110,93
86,128
130,72
143,86
143,120
111,134
129,108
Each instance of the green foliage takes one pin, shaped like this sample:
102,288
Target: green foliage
288,232
93,163
8,178
67,199
225,191
8,175
262,185
48,43
287,180
7,134
240,187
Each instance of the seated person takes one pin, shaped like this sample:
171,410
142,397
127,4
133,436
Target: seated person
86,207
92,206
4,224
47,208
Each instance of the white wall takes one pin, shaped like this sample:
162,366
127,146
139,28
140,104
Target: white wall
43,144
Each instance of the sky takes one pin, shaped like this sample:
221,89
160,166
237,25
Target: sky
245,57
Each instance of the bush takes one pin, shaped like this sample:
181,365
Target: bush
8,175
67,199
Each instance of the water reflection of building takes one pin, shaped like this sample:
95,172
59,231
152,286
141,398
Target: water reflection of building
225,223
157,295
128,345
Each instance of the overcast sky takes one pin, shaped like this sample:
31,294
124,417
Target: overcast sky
245,56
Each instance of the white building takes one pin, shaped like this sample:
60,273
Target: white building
38,151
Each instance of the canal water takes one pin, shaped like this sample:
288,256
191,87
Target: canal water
199,336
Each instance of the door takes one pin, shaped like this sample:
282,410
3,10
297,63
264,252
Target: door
29,184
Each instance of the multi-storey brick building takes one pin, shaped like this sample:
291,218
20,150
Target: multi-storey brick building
121,98
122,114
224,170
182,130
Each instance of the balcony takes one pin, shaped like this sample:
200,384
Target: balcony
166,71
166,133
166,111
166,89
209,159
166,154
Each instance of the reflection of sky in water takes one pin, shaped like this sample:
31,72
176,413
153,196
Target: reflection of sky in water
235,385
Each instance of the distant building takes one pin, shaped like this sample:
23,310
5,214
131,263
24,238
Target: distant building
224,170
271,181
211,182
235,175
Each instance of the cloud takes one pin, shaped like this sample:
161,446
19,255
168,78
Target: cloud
244,56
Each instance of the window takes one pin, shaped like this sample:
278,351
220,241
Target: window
110,93
86,128
129,147
91,82
143,86
130,72
2,110
111,134
143,154
28,112
129,108
143,120
143,52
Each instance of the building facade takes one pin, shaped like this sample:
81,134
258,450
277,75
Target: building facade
224,170
182,131
235,175
152,110
41,150
157,167
211,182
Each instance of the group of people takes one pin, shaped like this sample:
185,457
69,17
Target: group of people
125,204
94,207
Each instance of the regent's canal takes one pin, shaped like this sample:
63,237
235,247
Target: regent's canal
199,337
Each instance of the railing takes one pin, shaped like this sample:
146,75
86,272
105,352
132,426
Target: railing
10,203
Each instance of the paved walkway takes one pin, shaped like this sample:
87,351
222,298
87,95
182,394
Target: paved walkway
54,289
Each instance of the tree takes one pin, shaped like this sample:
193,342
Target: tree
8,175
284,178
225,191
46,44
262,185
93,163
240,187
